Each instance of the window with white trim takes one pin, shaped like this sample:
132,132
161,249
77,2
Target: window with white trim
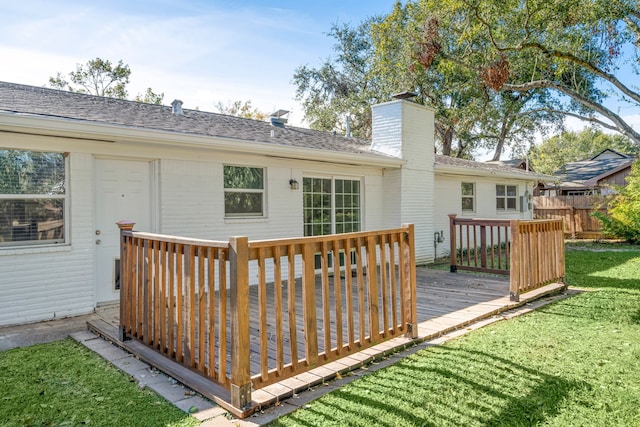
244,192
468,197
331,205
33,197
506,197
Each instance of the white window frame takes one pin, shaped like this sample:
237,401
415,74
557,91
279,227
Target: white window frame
472,197
64,241
261,191
506,198
333,179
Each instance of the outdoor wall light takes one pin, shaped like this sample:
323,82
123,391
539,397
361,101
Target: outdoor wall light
294,184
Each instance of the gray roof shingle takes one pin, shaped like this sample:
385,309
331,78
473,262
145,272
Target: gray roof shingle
585,170
492,167
31,100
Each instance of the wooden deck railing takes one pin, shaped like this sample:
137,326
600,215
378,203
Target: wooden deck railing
531,253
479,245
537,255
316,299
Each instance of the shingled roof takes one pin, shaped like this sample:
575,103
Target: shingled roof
585,170
490,167
45,102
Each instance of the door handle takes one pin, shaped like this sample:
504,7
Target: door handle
98,241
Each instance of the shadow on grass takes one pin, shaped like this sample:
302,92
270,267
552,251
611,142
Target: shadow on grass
444,386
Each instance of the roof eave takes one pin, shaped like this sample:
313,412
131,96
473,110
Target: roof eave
462,170
60,127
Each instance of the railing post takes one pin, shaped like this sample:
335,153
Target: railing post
124,225
410,312
239,288
452,243
514,262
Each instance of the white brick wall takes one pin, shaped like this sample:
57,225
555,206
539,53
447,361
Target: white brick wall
52,282
406,130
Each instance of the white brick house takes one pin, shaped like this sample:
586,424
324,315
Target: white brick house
72,165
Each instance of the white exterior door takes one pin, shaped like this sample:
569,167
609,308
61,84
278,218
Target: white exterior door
123,192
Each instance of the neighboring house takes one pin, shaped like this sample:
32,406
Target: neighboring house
71,165
596,175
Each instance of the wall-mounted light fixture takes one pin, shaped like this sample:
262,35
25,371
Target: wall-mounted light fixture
294,184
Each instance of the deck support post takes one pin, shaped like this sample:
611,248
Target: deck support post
411,311
239,288
452,244
124,226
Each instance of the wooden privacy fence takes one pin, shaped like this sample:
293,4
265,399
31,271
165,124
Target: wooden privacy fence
245,314
531,253
574,211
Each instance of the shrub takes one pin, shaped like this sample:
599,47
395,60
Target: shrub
623,218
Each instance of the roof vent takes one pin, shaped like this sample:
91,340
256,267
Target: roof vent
278,118
176,107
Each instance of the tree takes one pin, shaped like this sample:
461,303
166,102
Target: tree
101,78
569,49
567,147
98,77
241,109
383,56
345,86
150,97
623,217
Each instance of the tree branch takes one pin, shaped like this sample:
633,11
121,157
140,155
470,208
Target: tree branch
620,125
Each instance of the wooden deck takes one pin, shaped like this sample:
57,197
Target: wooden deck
445,302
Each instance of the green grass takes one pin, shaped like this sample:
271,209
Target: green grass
575,362
65,384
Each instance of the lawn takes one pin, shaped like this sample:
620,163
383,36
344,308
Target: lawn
574,362
65,384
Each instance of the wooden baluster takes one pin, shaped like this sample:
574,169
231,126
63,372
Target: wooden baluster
372,280
309,304
291,305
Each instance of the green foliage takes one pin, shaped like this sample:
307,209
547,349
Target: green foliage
65,384
102,78
344,85
568,52
537,369
150,97
241,109
98,77
386,55
567,147
623,216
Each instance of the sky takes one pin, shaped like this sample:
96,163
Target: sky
199,51
202,52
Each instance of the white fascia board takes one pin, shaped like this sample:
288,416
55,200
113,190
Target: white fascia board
108,133
465,171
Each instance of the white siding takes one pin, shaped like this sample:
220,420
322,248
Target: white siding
448,193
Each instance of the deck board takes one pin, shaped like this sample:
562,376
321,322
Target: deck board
445,302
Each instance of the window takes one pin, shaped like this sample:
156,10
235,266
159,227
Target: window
32,197
468,197
243,191
506,197
331,206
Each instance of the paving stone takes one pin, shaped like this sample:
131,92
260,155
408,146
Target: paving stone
196,400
